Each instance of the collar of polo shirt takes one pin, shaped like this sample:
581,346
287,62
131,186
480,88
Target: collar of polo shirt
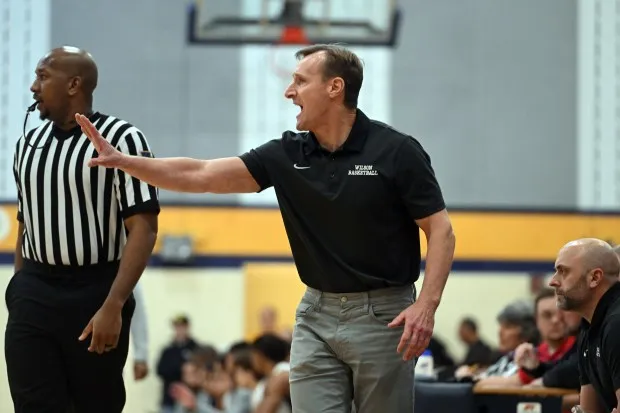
355,141
604,303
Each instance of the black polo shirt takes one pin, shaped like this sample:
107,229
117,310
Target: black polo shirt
349,214
599,349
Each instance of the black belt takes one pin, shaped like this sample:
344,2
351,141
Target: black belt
104,268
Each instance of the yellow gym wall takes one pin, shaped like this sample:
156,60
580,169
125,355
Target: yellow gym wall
494,253
223,303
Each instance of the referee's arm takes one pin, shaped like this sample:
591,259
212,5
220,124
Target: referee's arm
19,259
139,207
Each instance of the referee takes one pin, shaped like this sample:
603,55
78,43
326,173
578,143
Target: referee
85,235
354,194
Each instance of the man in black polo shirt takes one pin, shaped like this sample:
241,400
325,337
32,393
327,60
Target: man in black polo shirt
586,281
353,194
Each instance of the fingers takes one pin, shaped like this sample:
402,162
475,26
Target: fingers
95,343
90,131
100,342
87,331
397,321
94,162
404,339
415,340
108,342
419,342
112,342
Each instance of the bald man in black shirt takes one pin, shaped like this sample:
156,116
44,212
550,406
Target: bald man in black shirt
586,282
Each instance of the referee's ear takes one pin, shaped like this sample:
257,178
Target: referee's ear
75,85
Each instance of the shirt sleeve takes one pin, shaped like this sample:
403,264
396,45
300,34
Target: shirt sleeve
416,181
139,330
257,161
610,346
524,377
135,196
582,360
20,200
564,375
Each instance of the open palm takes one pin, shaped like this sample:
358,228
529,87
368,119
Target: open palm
108,156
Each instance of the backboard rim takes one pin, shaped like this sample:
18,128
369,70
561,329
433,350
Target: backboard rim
389,39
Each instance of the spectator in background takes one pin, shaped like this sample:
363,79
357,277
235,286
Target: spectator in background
219,390
269,324
443,362
478,352
555,343
189,394
231,355
139,336
172,359
270,359
441,355
516,325
563,374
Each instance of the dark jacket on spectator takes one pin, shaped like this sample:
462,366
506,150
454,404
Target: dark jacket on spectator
170,365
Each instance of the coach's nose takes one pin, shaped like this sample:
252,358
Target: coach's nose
289,92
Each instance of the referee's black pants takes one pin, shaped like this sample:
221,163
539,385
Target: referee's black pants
49,369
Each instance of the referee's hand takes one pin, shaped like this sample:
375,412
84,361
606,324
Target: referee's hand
419,321
107,155
105,328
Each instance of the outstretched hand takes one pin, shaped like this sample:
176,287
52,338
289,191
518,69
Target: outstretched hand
108,156
419,321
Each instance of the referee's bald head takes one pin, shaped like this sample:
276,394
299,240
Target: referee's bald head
66,78
75,63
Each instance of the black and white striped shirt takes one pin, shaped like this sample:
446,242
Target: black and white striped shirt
72,213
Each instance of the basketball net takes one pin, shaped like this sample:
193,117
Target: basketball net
291,35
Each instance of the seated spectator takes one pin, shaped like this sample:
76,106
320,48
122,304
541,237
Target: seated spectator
172,359
443,362
516,325
219,390
441,356
561,374
188,394
555,342
564,374
231,355
270,355
479,353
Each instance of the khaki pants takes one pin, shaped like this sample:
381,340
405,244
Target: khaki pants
343,355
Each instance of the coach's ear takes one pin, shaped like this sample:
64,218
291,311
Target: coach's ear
75,83
336,87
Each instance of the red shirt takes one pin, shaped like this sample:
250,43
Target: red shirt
544,356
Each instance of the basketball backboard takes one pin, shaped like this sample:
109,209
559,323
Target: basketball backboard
295,22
